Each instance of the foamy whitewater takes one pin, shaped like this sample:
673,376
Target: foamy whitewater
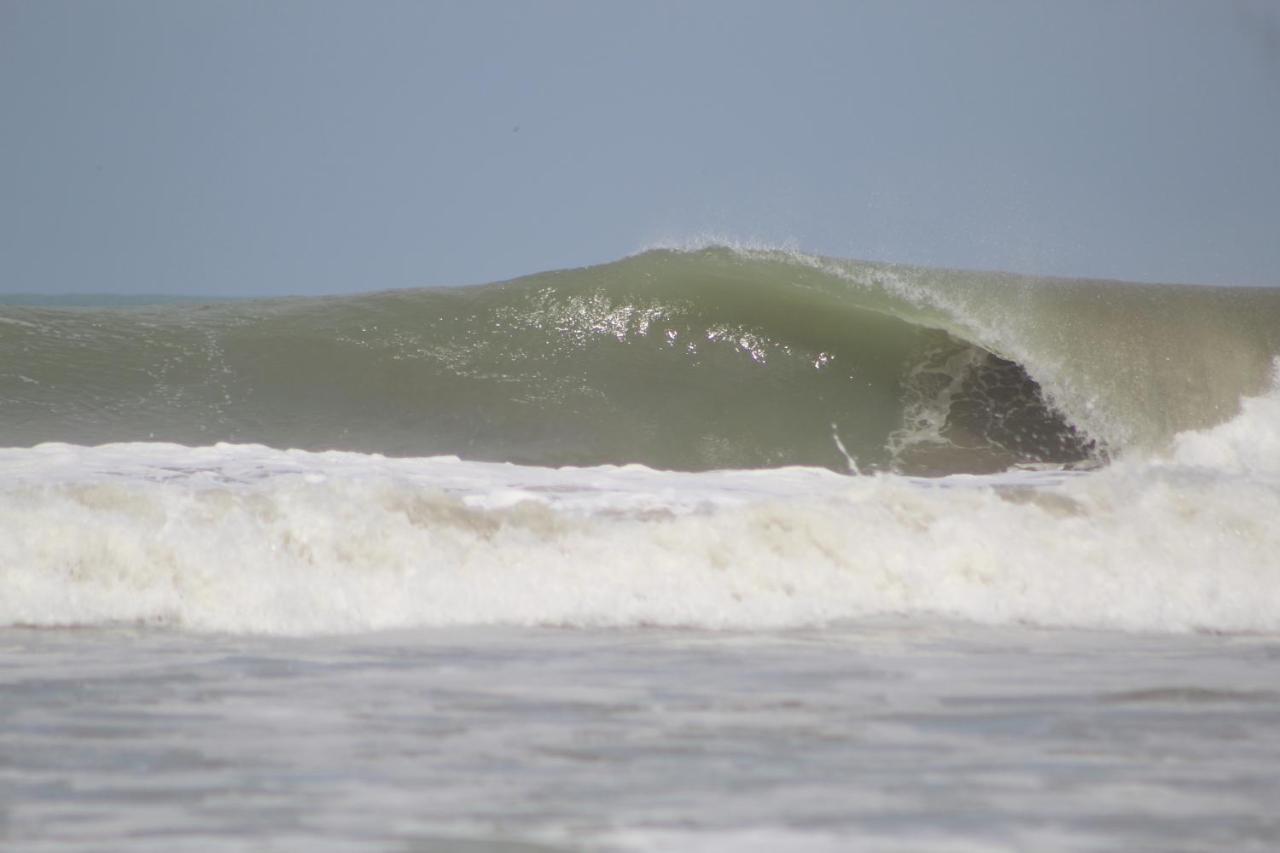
813,552
249,539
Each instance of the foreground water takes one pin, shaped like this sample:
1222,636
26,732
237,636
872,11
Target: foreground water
880,735
623,659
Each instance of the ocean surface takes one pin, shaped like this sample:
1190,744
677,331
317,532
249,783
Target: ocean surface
710,548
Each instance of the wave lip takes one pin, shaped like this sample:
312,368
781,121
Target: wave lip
711,357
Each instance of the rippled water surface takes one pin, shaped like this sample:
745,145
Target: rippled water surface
882,735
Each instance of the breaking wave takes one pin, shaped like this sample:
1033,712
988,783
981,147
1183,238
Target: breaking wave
676,359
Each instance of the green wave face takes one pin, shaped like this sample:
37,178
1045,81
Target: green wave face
682,360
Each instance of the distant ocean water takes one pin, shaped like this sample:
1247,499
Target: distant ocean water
817,482
104,300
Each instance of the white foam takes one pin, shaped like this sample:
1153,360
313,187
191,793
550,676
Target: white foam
1248,444
249,539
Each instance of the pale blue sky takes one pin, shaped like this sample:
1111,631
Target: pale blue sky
323,147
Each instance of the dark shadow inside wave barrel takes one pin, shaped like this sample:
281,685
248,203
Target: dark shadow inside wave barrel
994,416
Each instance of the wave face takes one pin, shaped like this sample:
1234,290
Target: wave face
685,360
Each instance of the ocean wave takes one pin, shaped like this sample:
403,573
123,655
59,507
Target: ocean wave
697,358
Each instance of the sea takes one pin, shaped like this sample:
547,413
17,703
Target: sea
713,548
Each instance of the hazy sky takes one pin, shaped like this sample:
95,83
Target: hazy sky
320,147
